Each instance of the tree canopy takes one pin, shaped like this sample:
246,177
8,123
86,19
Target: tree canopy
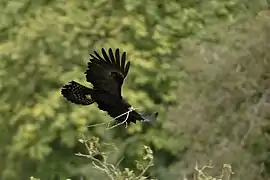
203,65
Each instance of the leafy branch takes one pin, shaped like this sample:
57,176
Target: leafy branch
100,161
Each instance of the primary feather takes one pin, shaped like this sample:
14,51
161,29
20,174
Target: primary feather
106,73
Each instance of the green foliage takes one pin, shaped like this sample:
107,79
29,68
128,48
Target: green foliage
44,44
100,158
225,100
100,162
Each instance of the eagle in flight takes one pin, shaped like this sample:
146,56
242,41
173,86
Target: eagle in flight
106,73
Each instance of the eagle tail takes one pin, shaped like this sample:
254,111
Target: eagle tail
77,93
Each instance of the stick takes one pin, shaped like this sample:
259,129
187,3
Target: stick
94,125
108,125
125,121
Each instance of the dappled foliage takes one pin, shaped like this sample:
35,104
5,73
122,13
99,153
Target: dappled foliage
45,44
225,100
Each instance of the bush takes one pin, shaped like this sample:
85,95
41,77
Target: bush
100,161
224,100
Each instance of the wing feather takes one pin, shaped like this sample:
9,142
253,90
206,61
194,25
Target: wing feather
107,72
77,93
112,57
94,59
127,68
107,59
98,56
123,60
117,56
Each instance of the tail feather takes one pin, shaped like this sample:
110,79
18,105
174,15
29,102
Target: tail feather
77,93
150,118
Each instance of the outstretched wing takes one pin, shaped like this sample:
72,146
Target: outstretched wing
77,93
107,72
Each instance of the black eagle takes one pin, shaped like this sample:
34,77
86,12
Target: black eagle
106,73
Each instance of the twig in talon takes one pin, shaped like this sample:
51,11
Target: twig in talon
94,125
131,109
125,121
108,124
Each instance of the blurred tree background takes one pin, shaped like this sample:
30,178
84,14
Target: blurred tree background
204,65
